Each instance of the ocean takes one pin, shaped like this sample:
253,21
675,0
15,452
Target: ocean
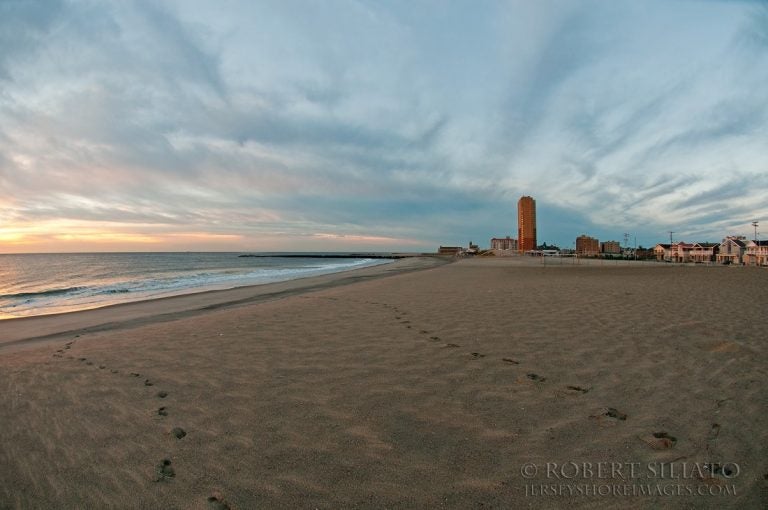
42,284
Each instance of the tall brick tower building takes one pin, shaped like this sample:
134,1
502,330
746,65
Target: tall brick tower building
526,224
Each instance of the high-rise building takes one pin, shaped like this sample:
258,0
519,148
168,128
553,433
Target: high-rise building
526,224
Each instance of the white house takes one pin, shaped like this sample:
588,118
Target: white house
731,250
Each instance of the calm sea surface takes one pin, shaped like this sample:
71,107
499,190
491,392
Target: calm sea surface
41,284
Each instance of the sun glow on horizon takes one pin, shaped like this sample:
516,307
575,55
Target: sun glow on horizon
64,236
76,235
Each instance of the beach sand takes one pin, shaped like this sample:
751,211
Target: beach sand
453,386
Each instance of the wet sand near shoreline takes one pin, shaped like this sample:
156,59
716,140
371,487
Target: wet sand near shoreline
454,386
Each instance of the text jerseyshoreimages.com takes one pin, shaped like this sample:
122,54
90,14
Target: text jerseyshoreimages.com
629,490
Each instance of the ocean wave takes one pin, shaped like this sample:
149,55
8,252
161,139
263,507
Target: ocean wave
114,291
127,285
42,293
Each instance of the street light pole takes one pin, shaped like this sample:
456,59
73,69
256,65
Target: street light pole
757,244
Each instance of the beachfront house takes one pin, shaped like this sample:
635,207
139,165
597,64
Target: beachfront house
681,252
704,252
731,250
686,252
756,253
662,252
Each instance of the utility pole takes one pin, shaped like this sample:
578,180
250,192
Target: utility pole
670,245
758,249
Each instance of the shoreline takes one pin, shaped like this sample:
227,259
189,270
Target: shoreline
394,256
20,332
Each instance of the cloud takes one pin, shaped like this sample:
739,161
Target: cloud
23,26
299,123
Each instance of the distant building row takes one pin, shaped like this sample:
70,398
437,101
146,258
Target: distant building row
585,245
591,247
732,250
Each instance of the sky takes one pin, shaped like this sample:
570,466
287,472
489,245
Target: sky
346,125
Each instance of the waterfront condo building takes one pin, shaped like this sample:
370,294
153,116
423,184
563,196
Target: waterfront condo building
504,244
526,224
612,247
587,246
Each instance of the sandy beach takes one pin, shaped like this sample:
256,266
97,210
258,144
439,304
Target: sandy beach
484,383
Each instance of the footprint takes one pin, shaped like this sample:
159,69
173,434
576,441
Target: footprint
162,394
147,382
611,412
215,503
714,431
451,345
719,469
113,371
535,377
476,355
165,470
102,367
178,432
659,440
162,411
510,360
435,338
82,359
89,362
424,332
134,374
578,388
